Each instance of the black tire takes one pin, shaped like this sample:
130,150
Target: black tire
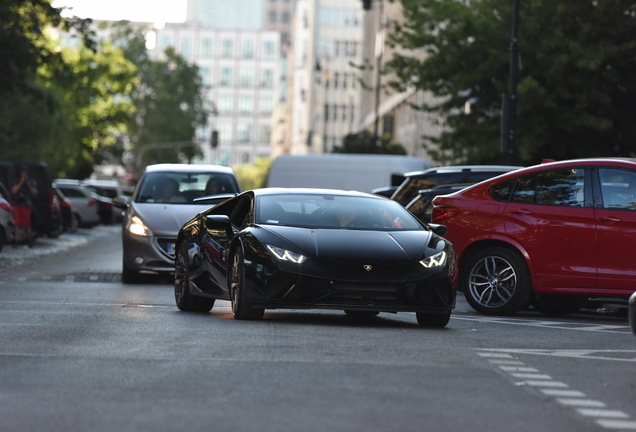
496,281
437,320
182,296
558,305
361,314
129,276
241,309
76,222
3,239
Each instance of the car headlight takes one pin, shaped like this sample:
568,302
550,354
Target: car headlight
437,260
137,227
286,255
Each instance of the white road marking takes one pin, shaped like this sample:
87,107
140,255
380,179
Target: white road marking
581,402
606,418
589,412
563,325
617,424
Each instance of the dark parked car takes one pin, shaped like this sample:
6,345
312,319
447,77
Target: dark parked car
166,196
418,180
553,235
69,222
44,216
422,205
314,248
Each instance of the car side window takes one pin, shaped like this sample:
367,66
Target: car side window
525,190
563,187
618,188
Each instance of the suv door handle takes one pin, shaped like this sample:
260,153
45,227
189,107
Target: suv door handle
609,219
521,212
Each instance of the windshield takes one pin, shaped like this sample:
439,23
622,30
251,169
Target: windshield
333,211
183,188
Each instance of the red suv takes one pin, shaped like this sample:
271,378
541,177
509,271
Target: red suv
553,235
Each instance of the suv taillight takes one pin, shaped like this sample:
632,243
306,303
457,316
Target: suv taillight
441,213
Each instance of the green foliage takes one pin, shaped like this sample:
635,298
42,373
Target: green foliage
253,176
169,102
364,142
576,93
60,106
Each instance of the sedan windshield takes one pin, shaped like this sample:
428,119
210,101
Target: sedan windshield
333,211
183,188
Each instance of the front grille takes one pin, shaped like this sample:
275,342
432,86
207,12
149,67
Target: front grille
167,245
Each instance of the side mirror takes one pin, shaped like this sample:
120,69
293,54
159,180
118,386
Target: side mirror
216,222
120,202
440,230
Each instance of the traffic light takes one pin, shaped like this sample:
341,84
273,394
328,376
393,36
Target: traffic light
366,4
214,139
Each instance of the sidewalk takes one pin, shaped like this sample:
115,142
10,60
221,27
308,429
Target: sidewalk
42,246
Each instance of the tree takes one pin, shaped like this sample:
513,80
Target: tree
169,101
61,106
364,142
576,94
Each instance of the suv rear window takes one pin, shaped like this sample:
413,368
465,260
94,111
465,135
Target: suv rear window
409,189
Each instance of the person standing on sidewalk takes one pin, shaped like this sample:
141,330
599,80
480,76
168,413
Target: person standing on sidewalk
23,193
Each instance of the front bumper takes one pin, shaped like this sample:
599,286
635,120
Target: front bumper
148,253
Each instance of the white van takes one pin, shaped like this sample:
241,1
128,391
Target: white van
360,172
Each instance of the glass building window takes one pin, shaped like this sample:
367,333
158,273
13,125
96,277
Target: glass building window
269,50
246,105
186,47
267,80
207,48
226,77
224,104
246,77
244,132
228,48
248,49
266,105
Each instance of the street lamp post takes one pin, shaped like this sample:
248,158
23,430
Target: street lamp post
509,106
379,49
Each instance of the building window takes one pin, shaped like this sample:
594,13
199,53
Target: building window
246,77
224,104
207,48
225,132
266,105
265,133
206,76
269,50
226,77
248,49
244,132
228,48
186,47
246,105
267,78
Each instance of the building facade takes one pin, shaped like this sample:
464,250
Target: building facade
324,87
387,112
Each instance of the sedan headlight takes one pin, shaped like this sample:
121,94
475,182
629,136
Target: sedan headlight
286,255
137,227
437,260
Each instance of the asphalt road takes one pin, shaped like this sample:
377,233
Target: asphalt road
81,351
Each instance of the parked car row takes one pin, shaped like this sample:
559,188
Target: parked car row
57,205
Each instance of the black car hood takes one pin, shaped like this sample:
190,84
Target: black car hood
355,245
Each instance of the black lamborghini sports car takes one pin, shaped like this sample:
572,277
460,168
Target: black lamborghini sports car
314,249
